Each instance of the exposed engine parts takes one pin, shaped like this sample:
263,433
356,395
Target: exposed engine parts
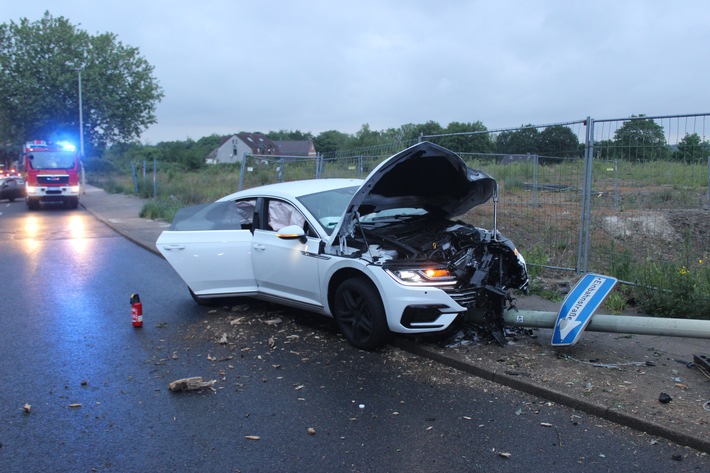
485,265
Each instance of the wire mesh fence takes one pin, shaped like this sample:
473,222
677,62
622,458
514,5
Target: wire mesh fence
628,191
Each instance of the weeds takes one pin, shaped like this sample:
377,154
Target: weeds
668,289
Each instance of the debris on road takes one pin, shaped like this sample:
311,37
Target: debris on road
664,398
192,384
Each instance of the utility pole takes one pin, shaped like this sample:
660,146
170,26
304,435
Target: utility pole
81,119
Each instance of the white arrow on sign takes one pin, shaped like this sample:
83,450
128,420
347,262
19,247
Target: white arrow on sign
578,307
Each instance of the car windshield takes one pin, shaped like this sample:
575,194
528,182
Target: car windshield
392,215
52,160
328,206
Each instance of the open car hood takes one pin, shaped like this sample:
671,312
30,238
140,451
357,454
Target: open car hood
425,176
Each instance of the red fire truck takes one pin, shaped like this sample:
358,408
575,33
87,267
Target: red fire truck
52,173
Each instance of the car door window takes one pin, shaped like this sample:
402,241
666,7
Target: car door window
226,215
282,214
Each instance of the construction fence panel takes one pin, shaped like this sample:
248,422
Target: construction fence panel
648,193
628,192
539,191
259,170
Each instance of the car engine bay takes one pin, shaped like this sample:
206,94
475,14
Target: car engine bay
485,264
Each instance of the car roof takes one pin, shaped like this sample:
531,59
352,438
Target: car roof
293,189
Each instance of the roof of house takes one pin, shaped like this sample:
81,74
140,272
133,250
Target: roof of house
259,143
295,147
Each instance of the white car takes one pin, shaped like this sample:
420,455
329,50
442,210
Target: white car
380,255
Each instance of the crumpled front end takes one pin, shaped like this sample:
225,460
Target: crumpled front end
474,266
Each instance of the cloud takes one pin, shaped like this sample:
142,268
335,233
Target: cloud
314,66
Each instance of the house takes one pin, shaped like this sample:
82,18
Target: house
232,148
296,148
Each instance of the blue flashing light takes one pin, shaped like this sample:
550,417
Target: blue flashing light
66,146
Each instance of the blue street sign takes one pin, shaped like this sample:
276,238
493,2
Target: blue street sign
579,306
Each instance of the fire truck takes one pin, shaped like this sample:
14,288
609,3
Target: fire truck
52,173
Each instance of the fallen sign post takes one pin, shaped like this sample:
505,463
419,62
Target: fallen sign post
627,324
579,306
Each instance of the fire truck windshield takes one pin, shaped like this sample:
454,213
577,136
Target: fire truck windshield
52,160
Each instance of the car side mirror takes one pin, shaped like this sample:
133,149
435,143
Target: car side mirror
292,232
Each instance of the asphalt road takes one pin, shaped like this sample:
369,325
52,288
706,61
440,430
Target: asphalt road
83,390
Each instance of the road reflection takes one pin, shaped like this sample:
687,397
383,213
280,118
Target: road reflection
37,229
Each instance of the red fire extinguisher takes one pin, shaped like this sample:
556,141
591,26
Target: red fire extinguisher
136,311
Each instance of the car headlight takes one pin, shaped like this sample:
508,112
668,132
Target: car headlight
422,276
31,189
74,189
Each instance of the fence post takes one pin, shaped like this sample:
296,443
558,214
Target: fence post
242,169
536,162
708,182
155,178
281,169
135,176
359,167
583,245
616,184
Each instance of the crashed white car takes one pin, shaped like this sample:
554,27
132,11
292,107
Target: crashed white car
380,255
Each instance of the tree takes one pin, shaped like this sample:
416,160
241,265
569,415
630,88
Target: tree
331,141
412,132
641,139
468,141
692,149
287,135
521,141
40,63
365,137
558,141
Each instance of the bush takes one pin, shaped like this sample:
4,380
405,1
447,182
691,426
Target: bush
673,290
161,210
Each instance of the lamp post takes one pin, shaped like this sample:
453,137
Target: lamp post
81,118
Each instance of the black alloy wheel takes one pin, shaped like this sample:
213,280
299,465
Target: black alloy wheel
360,315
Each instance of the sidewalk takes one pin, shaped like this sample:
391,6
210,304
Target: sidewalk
613,376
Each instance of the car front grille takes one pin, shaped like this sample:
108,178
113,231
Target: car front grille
52,180
465,296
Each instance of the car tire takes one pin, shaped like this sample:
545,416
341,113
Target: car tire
32,204
360,315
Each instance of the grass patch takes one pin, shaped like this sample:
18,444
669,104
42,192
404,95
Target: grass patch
668,289
160,210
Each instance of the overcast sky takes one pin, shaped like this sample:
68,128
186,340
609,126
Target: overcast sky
230,66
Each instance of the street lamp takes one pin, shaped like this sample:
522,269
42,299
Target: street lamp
81,118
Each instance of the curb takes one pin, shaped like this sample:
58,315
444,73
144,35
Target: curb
124,234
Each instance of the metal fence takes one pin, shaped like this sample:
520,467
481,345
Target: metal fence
586,195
